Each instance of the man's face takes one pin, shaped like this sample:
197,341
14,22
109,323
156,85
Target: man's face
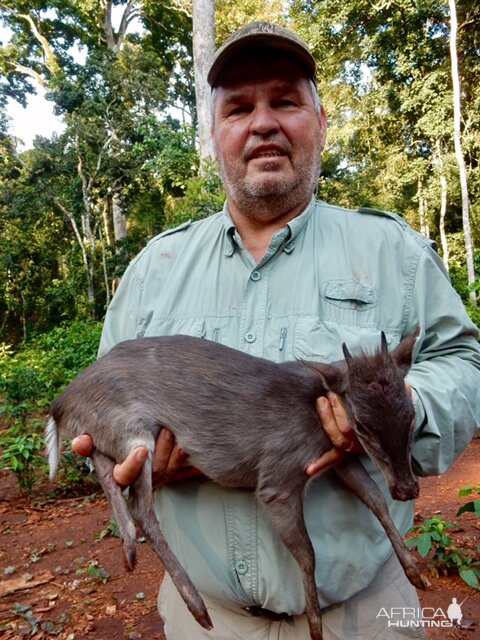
268,136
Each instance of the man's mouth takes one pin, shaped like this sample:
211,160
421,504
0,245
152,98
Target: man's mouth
266,151
268,154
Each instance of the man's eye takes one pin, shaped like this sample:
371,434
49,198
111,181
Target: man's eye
286,103
239,110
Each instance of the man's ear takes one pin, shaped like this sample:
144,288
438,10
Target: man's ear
333,377
322,118
403,353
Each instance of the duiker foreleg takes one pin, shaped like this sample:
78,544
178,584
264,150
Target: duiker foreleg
354,477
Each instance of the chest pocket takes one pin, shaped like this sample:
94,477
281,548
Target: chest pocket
321,340
348,294
348,313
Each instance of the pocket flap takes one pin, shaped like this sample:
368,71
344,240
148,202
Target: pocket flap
350,294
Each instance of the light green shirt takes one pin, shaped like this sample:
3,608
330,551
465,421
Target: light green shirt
330,276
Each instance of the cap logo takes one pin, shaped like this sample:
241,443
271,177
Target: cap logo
267,28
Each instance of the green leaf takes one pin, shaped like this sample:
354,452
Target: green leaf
468,506
424,544
473,506
467,491
470,577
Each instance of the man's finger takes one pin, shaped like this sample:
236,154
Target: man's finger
83,445
327,460
177,459
329,423
126,472
163,450
340,414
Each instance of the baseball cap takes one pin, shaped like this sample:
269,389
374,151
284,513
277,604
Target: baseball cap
264,35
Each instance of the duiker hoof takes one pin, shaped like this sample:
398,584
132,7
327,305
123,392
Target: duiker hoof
129,558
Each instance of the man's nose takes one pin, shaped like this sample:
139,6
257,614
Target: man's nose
264,120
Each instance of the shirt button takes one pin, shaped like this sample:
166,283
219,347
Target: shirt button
255,276
250,337
241,567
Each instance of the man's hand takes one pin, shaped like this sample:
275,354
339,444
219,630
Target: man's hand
169,460
335,422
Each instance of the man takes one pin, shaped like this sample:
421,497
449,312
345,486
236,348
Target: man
280,276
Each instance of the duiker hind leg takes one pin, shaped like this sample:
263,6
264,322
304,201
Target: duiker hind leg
104,470
141,505
355,478
285,510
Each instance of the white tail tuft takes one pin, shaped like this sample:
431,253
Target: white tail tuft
53,446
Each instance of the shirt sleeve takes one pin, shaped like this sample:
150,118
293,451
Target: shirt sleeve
123,320
446,374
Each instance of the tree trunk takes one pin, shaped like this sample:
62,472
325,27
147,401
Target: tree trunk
457,118
115,40
119,218
203,50
440,166
104,266
106,221
443,212
422,210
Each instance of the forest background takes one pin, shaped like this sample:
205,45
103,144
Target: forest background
400,81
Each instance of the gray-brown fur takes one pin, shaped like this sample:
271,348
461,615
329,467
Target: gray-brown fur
237,416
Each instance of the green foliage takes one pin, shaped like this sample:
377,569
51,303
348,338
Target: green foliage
473,506
203,196
432,537
75,473
98,574
129,111
458,273
111,530
21,453
30,379
43,366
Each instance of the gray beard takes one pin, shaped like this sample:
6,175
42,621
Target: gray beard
267,200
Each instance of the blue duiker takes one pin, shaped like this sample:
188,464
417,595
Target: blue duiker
244,422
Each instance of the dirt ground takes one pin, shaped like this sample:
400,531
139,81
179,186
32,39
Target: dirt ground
59,578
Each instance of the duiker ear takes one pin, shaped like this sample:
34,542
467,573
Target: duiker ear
383,343
402,354
333,377
346,353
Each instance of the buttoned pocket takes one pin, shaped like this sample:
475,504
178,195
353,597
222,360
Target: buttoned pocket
321,340
169,326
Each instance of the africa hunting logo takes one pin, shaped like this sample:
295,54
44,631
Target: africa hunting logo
425,617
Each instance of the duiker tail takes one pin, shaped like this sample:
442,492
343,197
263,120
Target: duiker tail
53,446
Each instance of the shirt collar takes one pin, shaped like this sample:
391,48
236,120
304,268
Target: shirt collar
289,232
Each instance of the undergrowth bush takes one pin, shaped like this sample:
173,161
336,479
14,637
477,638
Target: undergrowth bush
43,366
30,378
431,538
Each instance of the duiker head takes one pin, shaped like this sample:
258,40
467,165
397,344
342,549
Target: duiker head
372,389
